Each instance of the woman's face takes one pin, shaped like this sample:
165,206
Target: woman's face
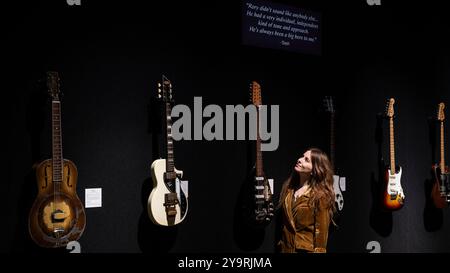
304,164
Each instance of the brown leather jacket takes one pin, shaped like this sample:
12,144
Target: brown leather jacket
299,224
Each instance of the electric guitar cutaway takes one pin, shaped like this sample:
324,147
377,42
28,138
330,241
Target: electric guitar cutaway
168,202
440,191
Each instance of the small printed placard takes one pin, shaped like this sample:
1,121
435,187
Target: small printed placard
93,198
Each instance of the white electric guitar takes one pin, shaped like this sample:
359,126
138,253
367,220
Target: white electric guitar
338,181
168,201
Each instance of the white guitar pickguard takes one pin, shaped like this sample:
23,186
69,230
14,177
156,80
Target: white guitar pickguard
394,184
339,197
156,209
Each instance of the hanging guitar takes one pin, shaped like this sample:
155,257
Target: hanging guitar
57,215
167,203
338,181
263,208
393,196
440,192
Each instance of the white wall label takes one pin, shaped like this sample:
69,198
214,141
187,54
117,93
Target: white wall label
93,198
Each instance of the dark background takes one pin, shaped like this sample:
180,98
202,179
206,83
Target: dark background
110,57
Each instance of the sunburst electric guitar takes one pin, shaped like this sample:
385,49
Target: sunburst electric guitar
264,207
440,192
393,196
57,216
167,203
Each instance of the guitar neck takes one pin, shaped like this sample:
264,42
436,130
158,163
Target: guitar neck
259,159
169,140
392,146
57,156
332,142
442,163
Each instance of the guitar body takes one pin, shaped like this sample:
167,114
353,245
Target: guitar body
441,178
263,207
56,217
393,196
156,200
339,197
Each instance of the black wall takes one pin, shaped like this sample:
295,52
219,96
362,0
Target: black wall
110,57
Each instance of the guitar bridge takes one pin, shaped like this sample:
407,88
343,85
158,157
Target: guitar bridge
171,200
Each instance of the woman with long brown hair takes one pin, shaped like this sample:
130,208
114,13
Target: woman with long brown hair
307,201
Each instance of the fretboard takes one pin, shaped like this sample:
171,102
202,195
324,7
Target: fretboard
391,146
259,158
332,143
442,163
169,139
57,156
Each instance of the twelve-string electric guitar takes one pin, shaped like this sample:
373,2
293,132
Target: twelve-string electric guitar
440,192
338,181
167,203
57,216
263,208
393,196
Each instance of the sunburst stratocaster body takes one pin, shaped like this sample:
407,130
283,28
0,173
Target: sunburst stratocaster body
393,195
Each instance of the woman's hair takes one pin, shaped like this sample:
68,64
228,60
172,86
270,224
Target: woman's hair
321,183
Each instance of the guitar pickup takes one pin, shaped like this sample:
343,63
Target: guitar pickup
170,176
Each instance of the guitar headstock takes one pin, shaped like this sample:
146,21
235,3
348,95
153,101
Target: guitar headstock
441,115
53,84
255,93
390,108
165,90
329,104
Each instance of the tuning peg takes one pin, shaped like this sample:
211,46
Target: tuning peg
159,84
